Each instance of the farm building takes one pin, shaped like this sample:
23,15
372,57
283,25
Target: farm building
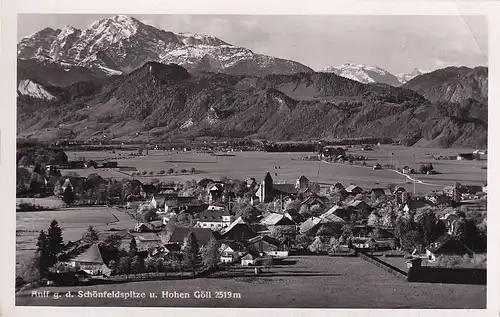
359,206
90,261
148,190
377,166
406,170
215,192
354,189
76,164
251,258
337,187
315,199
214,218
238,230
267,245
379,192
336,214
447,245
295,216
179,234
177,204
465,156
231,250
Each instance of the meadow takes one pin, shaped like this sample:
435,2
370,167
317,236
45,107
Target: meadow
312,282
255,164
73,222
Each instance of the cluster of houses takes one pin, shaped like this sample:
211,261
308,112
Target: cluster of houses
252,243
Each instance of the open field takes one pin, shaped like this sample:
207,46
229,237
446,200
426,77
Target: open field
312,282
255,164
48,202
73,222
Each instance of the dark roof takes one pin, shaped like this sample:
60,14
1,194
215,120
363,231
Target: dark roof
303,178
312,197
268,178
447,244
285,188
309,224
213,215
203,235
274,219
149,189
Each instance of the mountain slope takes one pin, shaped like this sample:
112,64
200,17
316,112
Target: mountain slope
452,84
406,77
121,44
159,102
364,74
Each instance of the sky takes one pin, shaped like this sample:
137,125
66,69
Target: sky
395,43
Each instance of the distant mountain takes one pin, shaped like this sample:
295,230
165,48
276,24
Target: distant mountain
120,44
159,102
452,84
406,77
364,74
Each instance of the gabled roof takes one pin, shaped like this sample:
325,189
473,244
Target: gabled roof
309,224
203,235
236,222
350,188
216,187
331,218
332,210
91,255
446,239
358,203
302,178
146,236
274,219
315,197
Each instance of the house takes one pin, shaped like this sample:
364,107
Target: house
353,190
377,166
250,258
266,245
73,182
337,187
315,199
179,234
378,192
238,230
465,156
90,261
232,250
144,227
337,214
362,243
414,204
268,191
360,206
406,170
301,183
215,192
110,164
447,245
147,241
439,199
177,204
250,182
275,219
214,218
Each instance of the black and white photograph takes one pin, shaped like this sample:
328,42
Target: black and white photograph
251,161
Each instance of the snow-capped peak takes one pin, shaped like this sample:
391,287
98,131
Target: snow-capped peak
114,29
363,73
406,77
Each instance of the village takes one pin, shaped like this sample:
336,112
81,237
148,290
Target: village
209,227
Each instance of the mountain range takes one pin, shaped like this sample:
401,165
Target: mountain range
121,79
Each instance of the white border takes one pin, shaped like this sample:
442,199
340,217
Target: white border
10,8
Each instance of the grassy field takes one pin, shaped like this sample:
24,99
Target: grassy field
73,222
312,282
255,164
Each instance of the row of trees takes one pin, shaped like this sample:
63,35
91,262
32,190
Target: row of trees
162,172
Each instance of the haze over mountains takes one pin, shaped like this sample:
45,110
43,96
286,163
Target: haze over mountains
121,79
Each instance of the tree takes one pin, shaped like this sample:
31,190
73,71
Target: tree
314,187
137,264
58,189
26,160
148,213
211,254
293,205
30,270
113,266
283,232
193,170
183,170
303,241
249,213
124,265
430,227
68,196
315,210
61,158
54,241
132,247
318,246
150,264
334,244
191,253
90,236
170,170
44,260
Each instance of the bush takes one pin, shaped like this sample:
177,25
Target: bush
162,172
151,172
183,170
144,173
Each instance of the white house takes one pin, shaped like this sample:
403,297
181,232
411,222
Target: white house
215,218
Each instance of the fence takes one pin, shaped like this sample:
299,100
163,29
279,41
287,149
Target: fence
385,266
